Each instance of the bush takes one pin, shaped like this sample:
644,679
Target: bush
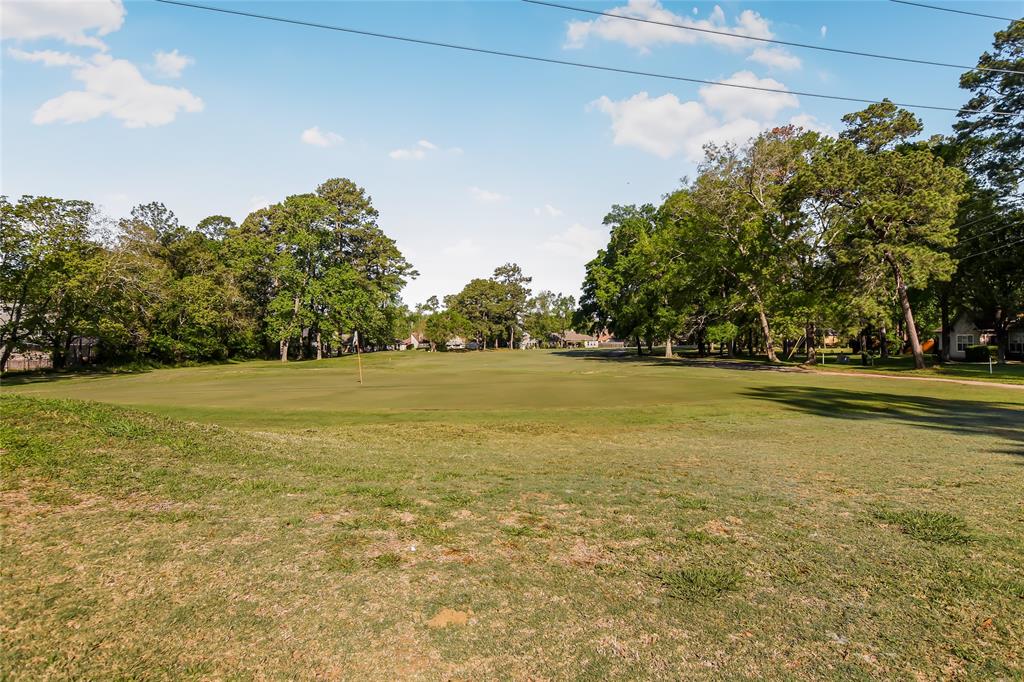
977,353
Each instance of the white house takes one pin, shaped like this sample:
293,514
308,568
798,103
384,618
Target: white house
965,332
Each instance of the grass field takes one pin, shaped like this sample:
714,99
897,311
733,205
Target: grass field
525,515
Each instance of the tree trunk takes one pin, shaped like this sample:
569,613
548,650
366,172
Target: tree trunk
883,341
57,355
6,356
319,347
668,346
639,350
284,350
766,331
908,314
1002,336
811,344
944,334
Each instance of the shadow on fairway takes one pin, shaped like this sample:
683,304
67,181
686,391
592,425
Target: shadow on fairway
51,376
962,417
715,361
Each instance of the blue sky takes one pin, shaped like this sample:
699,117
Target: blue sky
472,160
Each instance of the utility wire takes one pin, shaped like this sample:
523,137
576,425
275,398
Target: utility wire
1000,228
546,60
768,40
958,11
982,219
997,248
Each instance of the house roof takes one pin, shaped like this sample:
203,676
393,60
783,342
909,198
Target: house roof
573,336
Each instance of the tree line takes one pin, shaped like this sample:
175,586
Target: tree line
874,234
495,312
293,280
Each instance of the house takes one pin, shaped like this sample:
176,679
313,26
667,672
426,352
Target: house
413,342
966,332
605,339
572,339
455,343
527,341
82,350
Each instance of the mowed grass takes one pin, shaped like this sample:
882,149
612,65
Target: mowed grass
526,515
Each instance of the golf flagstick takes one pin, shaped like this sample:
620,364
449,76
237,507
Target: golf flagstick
359,359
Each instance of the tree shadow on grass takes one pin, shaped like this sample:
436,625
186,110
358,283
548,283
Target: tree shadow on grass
677,360
51,376
1003,420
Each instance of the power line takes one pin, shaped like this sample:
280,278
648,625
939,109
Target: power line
986,233
1001,246
768,40
547,60
958,11
982,219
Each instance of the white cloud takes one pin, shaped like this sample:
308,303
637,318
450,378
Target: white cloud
644,36
775,57
76,22
171,64
46,57
548,209
576,242
738,102
823,30
115,87
419,151
663,126
463,248
320,138
407,154
486,196
666,126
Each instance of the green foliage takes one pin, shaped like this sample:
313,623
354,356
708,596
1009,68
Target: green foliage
977,353
723,332
484,305
549,313
313,268
445,325
994,139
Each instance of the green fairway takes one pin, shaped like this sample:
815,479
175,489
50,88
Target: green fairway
528,515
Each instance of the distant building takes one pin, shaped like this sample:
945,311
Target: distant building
966,332
572,339
28,357
527,341
414,341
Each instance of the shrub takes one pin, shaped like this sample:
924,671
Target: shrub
977,354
